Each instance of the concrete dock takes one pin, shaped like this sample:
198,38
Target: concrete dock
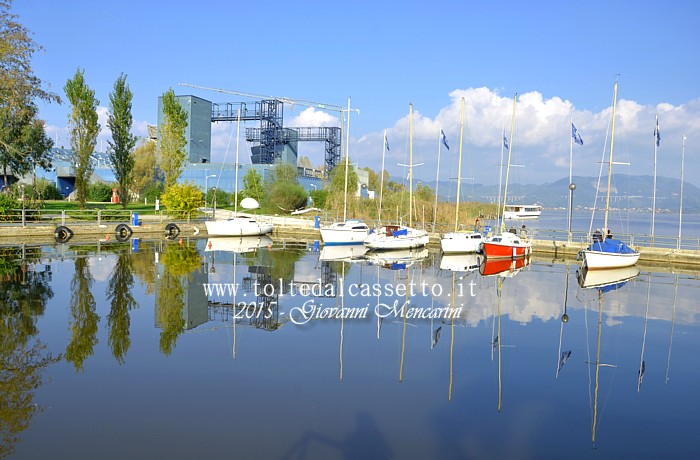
285,227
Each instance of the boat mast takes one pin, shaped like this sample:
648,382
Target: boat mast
459,163
680,210
381,183
410,165
347,165
510,149
238,136
610,162
437,178
500,168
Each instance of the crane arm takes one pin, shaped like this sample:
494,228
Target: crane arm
317,105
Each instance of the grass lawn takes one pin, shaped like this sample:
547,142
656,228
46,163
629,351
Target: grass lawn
58,205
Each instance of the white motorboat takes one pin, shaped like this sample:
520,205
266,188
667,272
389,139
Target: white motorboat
352,231
461,242
522,211
238,226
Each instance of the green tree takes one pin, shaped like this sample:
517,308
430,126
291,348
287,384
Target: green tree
336,186
120,121
253,186
145,166
172,138
183,199
122,302
84,321
285,191
179,261
38,146
84,129
19,88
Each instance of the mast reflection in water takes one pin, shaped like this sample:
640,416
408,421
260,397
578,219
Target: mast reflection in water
124,339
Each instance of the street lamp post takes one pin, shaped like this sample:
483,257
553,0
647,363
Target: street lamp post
206,187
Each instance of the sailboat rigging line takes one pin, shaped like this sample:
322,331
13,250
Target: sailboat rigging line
600,175
221,171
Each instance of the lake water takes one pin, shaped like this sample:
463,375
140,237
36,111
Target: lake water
116,351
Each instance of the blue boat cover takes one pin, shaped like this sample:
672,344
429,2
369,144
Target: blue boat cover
612,287
612,246
402,232
398,266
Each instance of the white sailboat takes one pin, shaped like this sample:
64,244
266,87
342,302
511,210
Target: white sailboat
239,225
349,231
401,236
606,252
456,241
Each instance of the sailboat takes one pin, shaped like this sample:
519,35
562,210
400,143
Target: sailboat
604,251
456,241
507,245
401,236
349,231
239,225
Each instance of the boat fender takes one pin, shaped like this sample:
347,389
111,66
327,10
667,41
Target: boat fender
196,230
172,231
123,232
62,234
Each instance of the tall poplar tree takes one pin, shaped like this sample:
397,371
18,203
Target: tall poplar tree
122,144
84,128
172,153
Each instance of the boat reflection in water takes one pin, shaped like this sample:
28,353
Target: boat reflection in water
397,259
346,253
604,281
239,245
501,269
460,262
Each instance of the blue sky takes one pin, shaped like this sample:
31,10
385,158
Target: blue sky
560,57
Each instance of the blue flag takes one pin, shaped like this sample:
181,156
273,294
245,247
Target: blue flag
505,142
444,140
386,144
657,133
576,135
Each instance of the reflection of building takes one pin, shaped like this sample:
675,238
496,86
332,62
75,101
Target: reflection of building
194,299
257,294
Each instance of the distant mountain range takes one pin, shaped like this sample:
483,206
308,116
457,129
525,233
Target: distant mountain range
627,192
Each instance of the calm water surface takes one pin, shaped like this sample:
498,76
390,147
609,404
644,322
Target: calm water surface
116,351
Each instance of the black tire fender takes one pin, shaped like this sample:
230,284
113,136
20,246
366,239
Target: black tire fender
62,234
172,230
123,232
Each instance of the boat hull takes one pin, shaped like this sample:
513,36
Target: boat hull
238,226
461,242
598,260
345,233
506,246
389,238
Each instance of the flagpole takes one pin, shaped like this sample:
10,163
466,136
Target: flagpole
653,199
571,174
437,182
680,216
